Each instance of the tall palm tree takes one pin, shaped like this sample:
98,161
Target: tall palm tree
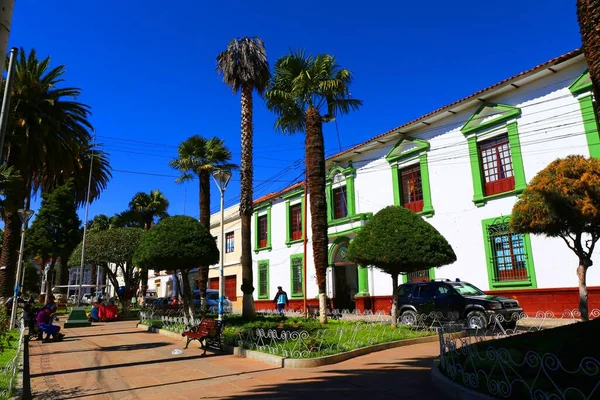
100,222
200,157
244,68
48,142
150,206
306,91
588,15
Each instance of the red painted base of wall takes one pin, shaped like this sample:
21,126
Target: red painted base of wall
556,300
294,304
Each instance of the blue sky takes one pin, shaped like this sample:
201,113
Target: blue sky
147,69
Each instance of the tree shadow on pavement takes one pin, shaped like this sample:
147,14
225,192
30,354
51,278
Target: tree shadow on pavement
406,379
125,347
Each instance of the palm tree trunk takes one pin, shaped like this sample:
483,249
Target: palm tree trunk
583,292
588,15
204,179
8,258
315,174
246,203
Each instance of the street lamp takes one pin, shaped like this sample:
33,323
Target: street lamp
25,215
222,177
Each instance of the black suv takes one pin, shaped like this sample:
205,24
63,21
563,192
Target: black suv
454,300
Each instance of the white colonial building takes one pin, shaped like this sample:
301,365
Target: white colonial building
462,168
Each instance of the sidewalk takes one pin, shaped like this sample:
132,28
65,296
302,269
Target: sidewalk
118,361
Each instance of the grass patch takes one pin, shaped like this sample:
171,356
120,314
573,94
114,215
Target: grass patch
570,344
7,354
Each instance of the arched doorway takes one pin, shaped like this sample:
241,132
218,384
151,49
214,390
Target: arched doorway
344,275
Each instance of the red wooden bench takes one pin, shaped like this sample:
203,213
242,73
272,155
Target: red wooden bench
207,333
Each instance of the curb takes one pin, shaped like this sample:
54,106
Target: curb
452,389
19,375
284,362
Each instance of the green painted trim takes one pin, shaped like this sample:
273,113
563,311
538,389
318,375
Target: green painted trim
348,174
516,157
504,113
431,275
514,145
288,226
531,283
263,205
332,247
344,232
363,281
293,193
427,206
420,146
590,125
269,246
581,84
396,185
264,263
296,294
351,218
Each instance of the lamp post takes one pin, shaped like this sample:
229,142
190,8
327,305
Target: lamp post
221,177
25,215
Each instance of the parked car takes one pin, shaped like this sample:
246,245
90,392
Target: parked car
212,300
453,299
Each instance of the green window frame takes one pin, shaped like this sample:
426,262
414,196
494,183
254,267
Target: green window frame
263,279
489,119
259,212
291,200
582,89
399,159
348,174
430,271
297,275
504,252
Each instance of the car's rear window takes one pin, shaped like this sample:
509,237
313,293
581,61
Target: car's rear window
405,290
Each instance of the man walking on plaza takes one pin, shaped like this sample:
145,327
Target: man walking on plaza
281,299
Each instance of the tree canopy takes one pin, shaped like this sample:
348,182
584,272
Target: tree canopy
563,200
115,245
397,241
178,242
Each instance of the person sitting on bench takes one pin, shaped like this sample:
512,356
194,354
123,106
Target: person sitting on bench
44,323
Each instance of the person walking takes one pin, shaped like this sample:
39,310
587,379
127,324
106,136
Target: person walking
281,299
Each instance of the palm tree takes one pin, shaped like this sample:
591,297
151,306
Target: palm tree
244,68
150,206
48,142
199,157
588,15
100,222
304,92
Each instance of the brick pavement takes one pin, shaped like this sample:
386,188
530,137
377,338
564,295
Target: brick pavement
117,361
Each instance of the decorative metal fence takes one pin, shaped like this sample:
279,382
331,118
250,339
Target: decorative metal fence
476,361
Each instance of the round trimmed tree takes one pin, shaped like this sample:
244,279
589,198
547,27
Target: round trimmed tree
398,241
178,243
563,200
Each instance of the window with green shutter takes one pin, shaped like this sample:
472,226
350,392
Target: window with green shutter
297,275
263,279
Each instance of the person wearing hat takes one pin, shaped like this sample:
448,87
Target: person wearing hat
281,299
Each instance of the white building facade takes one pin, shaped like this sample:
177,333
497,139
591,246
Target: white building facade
461,168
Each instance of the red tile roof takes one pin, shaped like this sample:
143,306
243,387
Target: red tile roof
547,64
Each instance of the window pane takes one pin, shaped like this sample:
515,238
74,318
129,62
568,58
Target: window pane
496,165
340,205
296,221
418,276
508,254
262,279
296,272
412,189
229,242
262,231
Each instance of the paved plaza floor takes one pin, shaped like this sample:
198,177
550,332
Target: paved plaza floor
118,361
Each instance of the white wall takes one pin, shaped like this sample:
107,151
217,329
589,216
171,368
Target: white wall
550,126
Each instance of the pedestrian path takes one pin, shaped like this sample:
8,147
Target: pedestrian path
118,361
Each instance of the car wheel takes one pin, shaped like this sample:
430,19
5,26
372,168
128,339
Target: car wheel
476,320
409,318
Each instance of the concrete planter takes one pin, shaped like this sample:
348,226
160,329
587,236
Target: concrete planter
285,362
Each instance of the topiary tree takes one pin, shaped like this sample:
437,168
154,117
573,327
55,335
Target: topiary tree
398,241
113,249
563,200
180,243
